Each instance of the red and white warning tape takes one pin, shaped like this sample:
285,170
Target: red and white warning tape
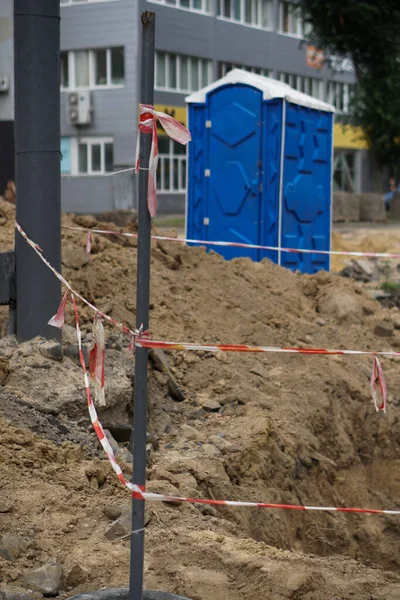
58,318
234,244
97,371
148,124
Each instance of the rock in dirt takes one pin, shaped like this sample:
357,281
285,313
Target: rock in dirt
5,506
223,445
211,405
13,592
384,329
51,350
74,257
113,512
4,370
12,546
77,576
341,306
122,527
72,351
160,362
174,389
222,356
259,370
47,580
188,433
206,509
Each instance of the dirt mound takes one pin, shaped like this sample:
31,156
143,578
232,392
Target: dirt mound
280,428
187,552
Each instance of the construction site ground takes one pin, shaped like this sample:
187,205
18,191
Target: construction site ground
293,429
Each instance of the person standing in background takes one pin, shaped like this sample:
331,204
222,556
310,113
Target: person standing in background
393,189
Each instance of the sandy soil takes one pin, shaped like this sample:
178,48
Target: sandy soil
294,429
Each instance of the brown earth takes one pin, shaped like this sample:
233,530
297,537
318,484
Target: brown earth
290,429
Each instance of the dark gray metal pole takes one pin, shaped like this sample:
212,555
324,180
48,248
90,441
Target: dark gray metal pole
37,163
142,316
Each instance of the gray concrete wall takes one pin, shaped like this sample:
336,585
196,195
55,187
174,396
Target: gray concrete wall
7,58
86,194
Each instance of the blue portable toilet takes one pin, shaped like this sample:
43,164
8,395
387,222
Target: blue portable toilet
260,170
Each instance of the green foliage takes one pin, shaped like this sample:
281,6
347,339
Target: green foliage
390,286
368,31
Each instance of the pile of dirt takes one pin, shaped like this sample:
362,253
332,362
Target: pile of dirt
272,427
364,239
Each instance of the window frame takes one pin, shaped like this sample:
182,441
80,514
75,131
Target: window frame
340,101
201,62
256,8
182,169
65,3
89,141
191,8
224,68
301,27
303,83
71,60
347,174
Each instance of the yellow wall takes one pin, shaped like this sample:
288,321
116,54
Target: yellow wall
347,136
344,136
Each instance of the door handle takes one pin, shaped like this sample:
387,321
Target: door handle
255,188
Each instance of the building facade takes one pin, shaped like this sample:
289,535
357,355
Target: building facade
197,41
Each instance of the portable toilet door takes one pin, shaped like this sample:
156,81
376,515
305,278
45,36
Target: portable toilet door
226,204
234,178
305,219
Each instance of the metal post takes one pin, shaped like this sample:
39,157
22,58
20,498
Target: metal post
37,163
142,316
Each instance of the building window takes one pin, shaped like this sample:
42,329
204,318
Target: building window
101,68
203,6
171,171
308,85
224,68
345,171
65,155
256,13
175,72
339,94
72,2
291,21
95,156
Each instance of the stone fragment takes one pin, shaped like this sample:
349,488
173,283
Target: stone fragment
206,509
188,433
320,322
211,405
341,306
12,546
13,592
222,356
77,576
223,445
47,580
6,506
384,329
51,350
74,257
122,527
259,370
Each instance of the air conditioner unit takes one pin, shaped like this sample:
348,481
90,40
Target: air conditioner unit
79,108
4,84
